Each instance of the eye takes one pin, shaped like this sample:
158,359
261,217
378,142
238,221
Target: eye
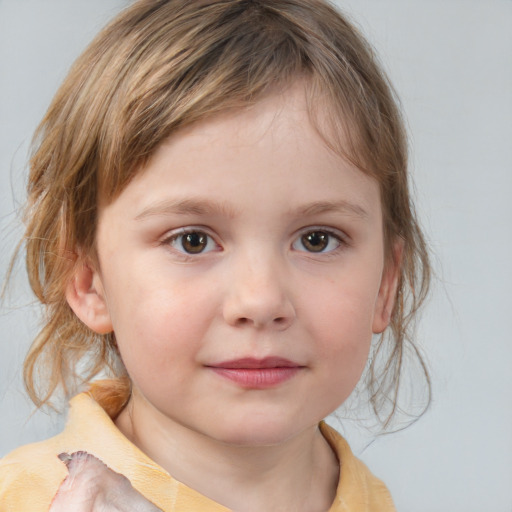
317,241
192,242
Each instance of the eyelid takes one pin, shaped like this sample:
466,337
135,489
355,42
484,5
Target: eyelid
339,235
174,234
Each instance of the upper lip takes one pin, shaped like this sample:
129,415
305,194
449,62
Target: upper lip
252,363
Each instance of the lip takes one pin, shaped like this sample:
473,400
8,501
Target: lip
252,373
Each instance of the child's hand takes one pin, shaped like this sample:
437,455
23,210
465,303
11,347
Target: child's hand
92,487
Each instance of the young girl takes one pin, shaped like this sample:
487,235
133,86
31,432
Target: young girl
219,220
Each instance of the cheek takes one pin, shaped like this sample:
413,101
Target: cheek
345,309
157,321
343,332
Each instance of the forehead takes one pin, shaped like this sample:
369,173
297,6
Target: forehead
270,149
303,98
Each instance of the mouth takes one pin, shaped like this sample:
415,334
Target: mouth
251,373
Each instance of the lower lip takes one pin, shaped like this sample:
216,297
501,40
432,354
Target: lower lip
257,378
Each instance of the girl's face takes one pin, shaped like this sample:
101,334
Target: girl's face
243,274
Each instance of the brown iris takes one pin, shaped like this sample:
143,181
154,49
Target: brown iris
195,242
315,241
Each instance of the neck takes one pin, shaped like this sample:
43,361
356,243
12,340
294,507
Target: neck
299,474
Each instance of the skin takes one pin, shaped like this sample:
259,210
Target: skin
254,184
93,487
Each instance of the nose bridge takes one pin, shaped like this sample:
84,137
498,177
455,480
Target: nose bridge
258,292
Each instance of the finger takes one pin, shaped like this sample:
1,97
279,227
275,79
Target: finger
92,486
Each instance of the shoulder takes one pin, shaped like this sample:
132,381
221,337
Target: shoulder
358,488
30,477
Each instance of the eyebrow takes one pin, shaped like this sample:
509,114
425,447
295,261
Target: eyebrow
202,207
206,207
342,206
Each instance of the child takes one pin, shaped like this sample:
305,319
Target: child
219,219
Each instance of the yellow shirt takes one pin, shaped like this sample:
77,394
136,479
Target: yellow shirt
31,475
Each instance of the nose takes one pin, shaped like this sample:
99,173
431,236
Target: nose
258,295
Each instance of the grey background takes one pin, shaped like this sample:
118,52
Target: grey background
451,62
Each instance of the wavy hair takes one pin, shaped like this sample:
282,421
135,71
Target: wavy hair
162,65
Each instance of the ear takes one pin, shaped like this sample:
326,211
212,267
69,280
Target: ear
86,297
387,291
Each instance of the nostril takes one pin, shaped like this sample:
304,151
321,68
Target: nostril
280,320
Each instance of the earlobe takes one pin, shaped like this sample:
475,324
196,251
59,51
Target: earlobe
86,297
388,289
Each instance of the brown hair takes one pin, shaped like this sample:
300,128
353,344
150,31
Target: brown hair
162,65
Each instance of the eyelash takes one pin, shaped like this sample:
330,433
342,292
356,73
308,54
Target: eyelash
331,235
175,236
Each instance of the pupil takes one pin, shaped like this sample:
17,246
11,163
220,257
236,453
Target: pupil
194,242
316,241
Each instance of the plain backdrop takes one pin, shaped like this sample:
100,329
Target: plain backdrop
451,62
